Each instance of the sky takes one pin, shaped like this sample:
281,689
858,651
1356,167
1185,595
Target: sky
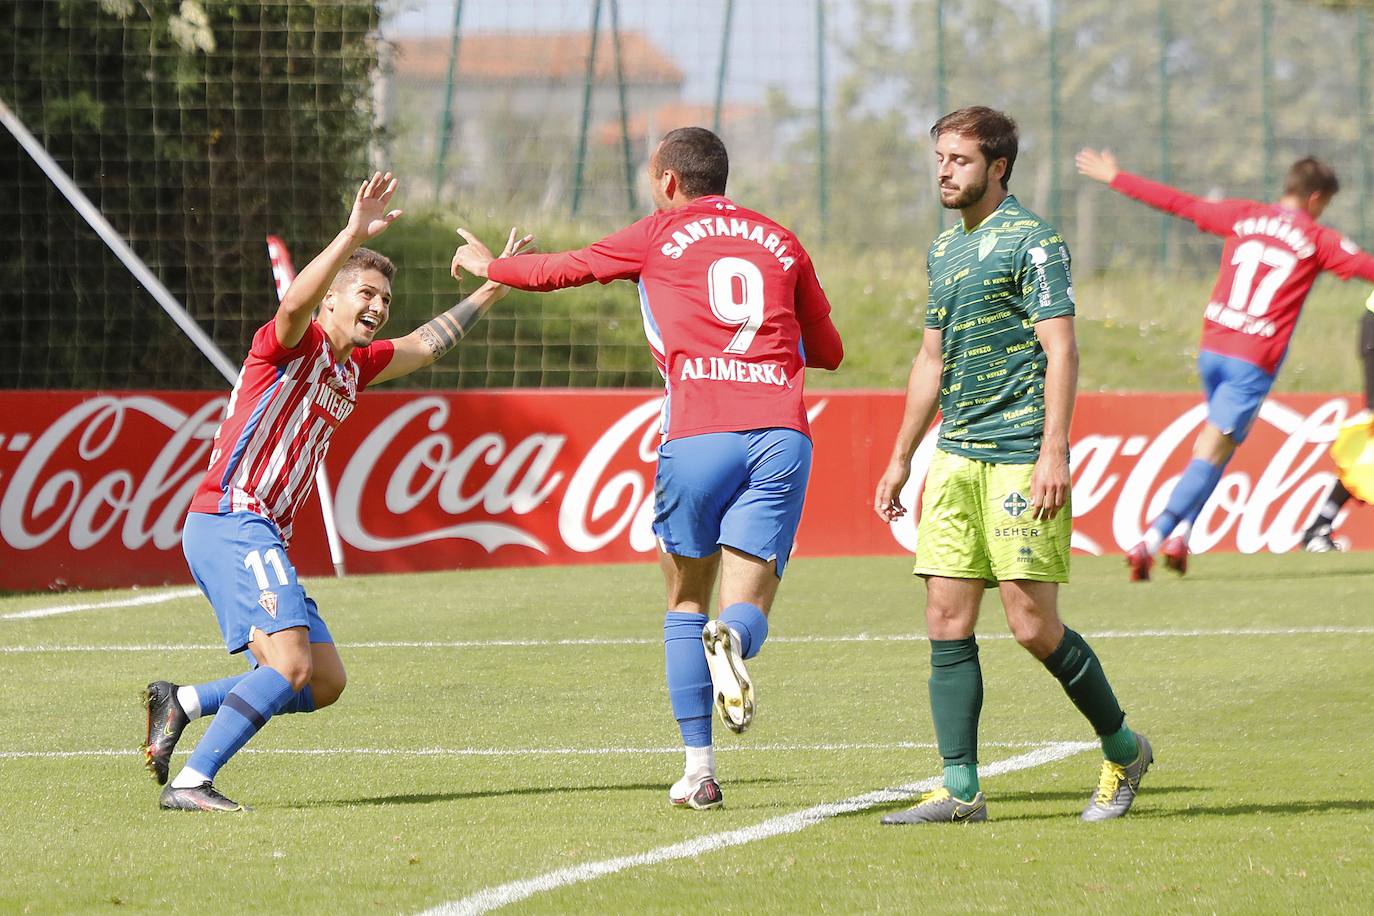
773,42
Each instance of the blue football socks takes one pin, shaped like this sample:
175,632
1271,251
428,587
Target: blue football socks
257,697
1190,495
303,701
212,694
689,680
750,623
1208,485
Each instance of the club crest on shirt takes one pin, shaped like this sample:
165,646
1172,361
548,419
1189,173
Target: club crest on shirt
268,602
343,381
1015,504
986,244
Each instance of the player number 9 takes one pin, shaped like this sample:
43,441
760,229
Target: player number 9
736,287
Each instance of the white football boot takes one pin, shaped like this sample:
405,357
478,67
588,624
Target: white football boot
730,683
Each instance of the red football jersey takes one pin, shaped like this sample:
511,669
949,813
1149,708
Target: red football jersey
728,298
1269,261
284,407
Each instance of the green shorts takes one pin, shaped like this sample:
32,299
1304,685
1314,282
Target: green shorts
976,524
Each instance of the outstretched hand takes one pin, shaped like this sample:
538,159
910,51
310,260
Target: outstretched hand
517,244
1097,165
474,257
370,217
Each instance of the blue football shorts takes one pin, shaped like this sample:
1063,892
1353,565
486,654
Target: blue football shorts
735,489
1235,390
240,563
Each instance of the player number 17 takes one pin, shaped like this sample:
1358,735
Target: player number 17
1251,297
736,288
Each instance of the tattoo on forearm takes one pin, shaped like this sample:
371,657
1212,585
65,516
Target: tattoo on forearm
443,332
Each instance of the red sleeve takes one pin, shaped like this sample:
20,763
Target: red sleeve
1215,216
619,256
1343,257
542,272
267,348
372,359
821,344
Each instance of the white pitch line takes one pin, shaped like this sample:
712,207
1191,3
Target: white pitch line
802,640
512,752
123,602
504,894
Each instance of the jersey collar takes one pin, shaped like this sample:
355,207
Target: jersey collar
1008,201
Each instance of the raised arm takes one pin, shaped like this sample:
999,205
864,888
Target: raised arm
368,220
922,400
1209,215
440,334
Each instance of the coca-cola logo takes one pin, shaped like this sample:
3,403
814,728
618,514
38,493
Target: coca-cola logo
144,497
563,477
1267,511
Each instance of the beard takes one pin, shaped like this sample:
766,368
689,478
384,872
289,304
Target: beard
966,196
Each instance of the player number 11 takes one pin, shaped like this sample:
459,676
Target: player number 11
736,287
257,563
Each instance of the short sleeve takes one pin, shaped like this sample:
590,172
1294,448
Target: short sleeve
267,348
372,359
934,314
1046,279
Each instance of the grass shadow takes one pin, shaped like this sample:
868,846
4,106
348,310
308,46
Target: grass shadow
1325,806
998,798
427,798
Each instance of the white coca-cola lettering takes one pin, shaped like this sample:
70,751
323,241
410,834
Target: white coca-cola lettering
904,528
588,501
1309,439
522,481
116,474
90,513
1269,513
1090,462
1238,502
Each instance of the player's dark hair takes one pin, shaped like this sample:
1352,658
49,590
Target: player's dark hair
1309,176
365,259
994,131
699,158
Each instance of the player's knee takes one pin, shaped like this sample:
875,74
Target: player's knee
328,689
948,621
1035,633
296,670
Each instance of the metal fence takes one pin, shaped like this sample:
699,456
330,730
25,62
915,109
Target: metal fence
543,113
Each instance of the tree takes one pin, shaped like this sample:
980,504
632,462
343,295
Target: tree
197,127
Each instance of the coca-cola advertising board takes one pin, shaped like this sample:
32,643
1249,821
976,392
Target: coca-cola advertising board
94,485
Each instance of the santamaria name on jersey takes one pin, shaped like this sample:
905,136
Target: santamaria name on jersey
713,226
718,369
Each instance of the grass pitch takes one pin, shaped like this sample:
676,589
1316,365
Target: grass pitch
474,748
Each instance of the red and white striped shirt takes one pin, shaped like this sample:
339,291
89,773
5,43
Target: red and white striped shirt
276,429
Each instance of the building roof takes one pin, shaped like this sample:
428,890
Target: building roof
671,116
534,56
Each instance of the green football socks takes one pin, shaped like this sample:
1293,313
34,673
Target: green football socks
1077,668
956,700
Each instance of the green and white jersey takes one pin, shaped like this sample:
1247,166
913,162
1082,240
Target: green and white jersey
988,288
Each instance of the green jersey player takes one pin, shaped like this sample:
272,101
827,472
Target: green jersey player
999,359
